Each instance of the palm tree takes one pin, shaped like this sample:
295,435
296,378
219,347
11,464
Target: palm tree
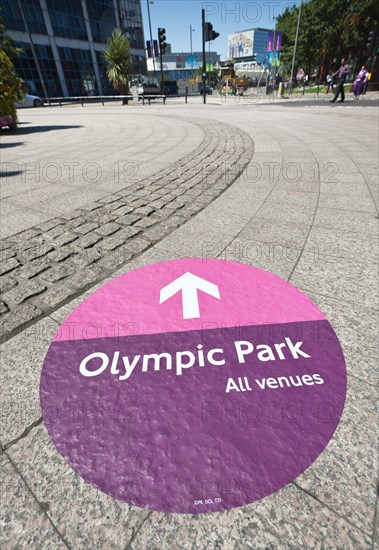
118,62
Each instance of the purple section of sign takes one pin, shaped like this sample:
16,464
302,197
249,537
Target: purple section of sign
176,440
269,41
148,46
156,50
278,41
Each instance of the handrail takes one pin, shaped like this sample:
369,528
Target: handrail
87,99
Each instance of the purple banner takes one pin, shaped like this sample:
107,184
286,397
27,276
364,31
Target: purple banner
278,41
269,42
156,51
149,51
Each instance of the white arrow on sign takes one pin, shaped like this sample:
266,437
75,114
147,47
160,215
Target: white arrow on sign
188,285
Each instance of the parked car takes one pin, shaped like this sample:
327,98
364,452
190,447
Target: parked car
30,101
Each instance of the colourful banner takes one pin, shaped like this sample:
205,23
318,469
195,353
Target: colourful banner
269,42
149,51
278,41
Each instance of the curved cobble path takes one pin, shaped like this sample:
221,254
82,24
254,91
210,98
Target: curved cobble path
46,266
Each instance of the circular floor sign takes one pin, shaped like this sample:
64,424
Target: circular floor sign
193,386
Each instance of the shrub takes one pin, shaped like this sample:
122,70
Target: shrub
10,88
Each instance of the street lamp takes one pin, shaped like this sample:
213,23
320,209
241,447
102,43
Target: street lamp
295,46
191,31
148,2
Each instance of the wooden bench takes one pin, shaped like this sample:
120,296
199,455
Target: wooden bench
150,97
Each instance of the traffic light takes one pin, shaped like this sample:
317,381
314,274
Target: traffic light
210,34
162,40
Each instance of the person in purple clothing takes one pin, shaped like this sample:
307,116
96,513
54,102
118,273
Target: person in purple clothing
341,75
360,82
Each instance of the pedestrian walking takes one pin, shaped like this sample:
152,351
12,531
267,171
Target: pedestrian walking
341,75
360,81
304,82
329,82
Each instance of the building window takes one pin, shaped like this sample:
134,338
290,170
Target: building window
131,22
78,71
33,14
25,66
102,19
67,19
105,84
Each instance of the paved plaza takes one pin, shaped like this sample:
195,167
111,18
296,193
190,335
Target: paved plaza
89,193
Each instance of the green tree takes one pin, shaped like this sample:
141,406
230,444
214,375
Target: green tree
212,75
329,30
10,88
118,61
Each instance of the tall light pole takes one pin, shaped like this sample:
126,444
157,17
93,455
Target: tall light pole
148,2
295,47
191,31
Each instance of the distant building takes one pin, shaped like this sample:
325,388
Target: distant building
69,37
248,46
181,66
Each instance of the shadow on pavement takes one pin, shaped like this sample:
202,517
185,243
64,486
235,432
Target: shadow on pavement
9,145
36,129
4,175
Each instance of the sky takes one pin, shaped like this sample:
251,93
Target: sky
227,17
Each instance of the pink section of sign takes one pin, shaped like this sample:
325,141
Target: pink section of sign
130,304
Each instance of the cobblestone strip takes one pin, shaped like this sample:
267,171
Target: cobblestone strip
48,265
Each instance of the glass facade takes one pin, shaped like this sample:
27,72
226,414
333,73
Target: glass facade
78,71
26,68
102,19
107,87
73,61
131,22
260,38
33,15
67,18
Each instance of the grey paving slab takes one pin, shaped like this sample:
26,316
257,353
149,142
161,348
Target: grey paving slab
67,201
340,278
347,220
276,232
20,219
21,360
344,477
271,523
350,245
50,191
7,207
357,203
103,521
357,329
274,257
24,524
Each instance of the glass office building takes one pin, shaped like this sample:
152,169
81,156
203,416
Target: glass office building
248,45
69,37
